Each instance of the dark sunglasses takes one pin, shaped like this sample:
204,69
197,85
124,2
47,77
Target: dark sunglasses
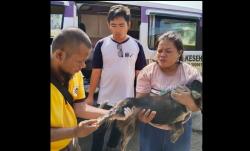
120,52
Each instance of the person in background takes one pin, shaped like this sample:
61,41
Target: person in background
117,60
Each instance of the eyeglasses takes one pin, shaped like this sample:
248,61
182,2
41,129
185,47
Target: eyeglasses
120,52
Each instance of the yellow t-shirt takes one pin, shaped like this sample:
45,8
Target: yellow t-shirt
62,114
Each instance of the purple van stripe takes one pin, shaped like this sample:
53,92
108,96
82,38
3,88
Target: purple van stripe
69,10
144,17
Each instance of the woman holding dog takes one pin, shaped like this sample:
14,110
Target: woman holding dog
166,74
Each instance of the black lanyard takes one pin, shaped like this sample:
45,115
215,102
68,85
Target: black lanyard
64,91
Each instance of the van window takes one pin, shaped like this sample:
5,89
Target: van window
187,28
56,19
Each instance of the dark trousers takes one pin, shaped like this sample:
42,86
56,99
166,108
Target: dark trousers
98,136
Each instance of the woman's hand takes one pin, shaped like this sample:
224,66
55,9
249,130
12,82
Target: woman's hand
146,116
183,95
127,112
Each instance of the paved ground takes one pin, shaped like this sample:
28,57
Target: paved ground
197,141
197,131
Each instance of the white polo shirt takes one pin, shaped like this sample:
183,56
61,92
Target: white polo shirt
118,73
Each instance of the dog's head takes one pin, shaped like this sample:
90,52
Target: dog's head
196,91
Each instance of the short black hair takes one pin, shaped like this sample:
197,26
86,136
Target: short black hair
119,11
70,36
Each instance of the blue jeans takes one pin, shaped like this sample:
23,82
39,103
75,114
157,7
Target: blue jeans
154,139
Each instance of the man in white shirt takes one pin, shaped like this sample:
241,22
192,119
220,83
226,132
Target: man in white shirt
117,60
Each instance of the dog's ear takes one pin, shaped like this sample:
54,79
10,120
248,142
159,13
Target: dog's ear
195,85
197,98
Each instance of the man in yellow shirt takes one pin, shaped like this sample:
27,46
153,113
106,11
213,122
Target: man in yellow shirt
70,49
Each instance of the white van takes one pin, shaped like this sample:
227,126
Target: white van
148,20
